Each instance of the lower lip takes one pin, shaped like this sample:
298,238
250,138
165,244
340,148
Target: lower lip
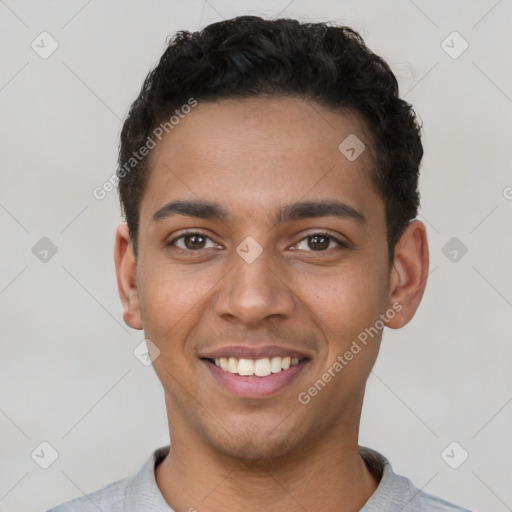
256,387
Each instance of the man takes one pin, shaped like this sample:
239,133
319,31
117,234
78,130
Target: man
268,174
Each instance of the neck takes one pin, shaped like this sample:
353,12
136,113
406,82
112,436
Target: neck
328,475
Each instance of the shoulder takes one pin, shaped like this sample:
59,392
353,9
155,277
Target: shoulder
397,493
108,499
424,502
125,494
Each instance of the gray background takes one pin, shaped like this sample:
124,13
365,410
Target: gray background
68,375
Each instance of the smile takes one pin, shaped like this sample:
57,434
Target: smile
255,378
255,367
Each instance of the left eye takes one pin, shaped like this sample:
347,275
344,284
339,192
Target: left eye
319,242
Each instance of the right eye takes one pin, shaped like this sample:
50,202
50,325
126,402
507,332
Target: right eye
191,242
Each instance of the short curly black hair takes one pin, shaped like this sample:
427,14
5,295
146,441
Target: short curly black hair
248,56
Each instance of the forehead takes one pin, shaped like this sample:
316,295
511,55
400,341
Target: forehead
256,152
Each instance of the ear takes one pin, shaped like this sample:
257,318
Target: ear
409,274
126,271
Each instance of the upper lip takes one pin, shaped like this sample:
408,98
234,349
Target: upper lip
258,352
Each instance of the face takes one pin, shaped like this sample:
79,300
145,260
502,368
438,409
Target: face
262,248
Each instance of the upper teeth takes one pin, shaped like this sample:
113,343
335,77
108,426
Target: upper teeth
258,367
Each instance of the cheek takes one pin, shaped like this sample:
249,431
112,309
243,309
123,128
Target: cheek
347,302
345,308
171,300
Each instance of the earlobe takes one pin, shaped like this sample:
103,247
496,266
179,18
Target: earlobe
409,274
126,272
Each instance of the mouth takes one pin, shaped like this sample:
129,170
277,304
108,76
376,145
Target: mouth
257,377
255,367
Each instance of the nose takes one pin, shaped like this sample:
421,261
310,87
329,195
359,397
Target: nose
254,291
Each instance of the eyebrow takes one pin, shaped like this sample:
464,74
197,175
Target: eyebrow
202,209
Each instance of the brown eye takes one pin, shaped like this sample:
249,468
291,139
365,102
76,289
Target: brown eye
194,241
191,242
320,242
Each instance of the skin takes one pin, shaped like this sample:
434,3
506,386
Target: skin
252,157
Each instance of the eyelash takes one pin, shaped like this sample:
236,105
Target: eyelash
341,244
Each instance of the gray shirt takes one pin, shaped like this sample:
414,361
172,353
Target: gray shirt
140,493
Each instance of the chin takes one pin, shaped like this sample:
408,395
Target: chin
255,445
